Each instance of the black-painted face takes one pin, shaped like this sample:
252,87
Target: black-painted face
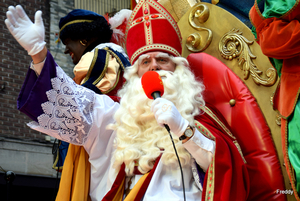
75,49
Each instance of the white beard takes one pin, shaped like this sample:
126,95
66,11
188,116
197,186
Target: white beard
139,137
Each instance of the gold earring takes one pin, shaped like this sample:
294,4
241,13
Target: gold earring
82,43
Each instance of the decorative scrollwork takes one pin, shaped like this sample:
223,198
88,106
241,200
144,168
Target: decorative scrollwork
195,42
278,119
234,45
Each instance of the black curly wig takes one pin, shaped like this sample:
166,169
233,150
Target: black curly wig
99,29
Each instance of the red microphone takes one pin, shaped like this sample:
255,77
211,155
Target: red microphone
152,84
153,87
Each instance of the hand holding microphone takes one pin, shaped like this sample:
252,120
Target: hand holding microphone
165,112
29,35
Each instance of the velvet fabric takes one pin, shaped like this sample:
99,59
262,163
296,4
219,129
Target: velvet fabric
32,84
78,14
279,38
227,176
287,48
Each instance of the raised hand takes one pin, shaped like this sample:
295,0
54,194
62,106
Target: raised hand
29,35
166,113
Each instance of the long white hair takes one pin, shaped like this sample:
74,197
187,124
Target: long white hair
140,140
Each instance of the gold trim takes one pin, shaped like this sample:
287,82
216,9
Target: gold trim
147,29
295,103
283,16
167,16
132,16
157,47
291,10
74,22
91,66
240,150
233,45
104,69
215,2
210,184
134,23
289,166
56,161
163,14
278,119
116,56
258,11
212,115
193,41
202,129
116,83
106,66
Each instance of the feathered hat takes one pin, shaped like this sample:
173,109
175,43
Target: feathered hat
117,23
151,28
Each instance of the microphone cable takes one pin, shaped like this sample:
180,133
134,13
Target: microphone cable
153,88
168,129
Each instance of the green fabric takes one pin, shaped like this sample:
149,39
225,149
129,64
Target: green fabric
277,63
294,143
277,8
254,31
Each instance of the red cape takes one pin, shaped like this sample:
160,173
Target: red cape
227,176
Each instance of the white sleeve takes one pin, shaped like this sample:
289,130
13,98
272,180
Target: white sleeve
74,113
201,148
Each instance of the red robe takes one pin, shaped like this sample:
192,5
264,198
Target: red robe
227,177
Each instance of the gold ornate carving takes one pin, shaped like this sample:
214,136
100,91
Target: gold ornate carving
215,2
194,42
233,45
278,119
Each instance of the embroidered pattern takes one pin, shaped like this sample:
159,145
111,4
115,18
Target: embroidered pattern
68,111
210,184
156,47
240,150
209,135
211,114
202,129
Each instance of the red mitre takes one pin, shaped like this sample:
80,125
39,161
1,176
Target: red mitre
151,28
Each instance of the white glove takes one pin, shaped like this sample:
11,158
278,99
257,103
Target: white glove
30,36
166,113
